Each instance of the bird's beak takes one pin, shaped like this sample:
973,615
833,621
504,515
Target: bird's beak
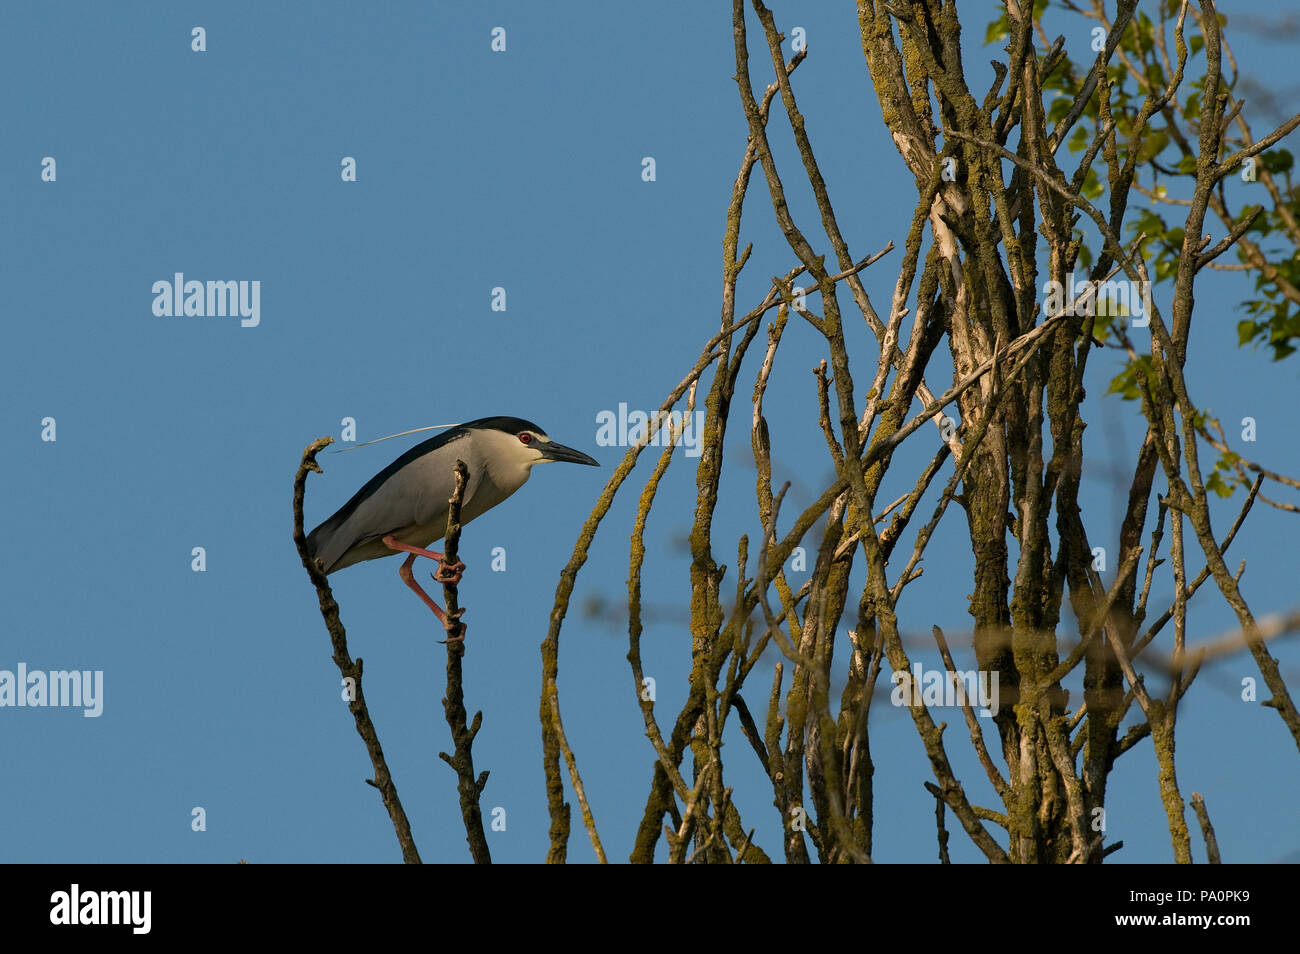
554,451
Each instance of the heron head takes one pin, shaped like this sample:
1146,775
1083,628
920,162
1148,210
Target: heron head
524,444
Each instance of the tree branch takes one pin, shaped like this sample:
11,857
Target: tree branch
350,670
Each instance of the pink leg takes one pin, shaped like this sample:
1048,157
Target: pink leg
409,579
447,572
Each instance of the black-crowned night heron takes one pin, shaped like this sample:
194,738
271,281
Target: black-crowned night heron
404,507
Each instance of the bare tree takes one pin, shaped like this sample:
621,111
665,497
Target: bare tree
1000,225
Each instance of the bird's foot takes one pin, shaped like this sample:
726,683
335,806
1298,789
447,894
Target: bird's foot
457,630
450,573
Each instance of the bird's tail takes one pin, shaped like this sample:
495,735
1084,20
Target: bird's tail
316,541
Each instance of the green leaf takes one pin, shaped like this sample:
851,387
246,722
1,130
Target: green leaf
999,29
1215,483
1278,160
1092,187
1262,225
1150,223
1125,384
1153,144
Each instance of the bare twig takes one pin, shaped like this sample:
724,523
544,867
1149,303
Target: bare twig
349,669
938,821
453,704
1207,830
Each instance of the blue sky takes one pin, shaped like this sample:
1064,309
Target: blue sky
475,170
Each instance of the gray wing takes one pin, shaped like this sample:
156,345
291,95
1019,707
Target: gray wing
410,493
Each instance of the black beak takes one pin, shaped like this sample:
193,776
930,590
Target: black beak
554,451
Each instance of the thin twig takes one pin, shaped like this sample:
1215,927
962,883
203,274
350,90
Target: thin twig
453,704
938,821
349,669
1207,830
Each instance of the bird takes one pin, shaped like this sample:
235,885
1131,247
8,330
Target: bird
404,507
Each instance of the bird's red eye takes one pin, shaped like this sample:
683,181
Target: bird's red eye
525,438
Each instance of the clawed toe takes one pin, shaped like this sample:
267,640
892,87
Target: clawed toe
449,573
